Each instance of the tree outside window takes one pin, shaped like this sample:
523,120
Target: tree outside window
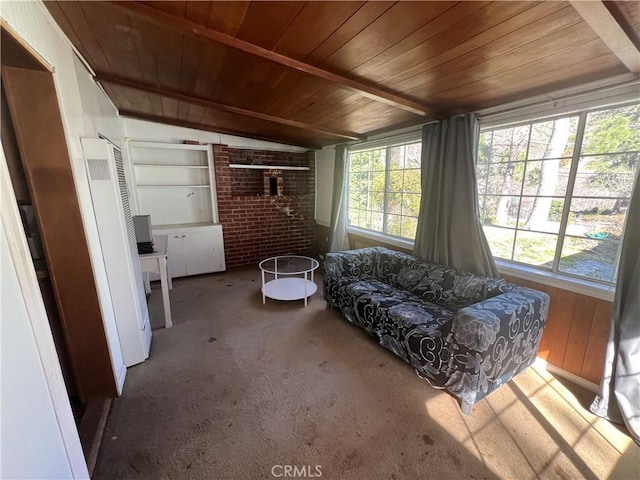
554,194
384,189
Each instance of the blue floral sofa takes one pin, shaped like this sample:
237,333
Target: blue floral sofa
466,333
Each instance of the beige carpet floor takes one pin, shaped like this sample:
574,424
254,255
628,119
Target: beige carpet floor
241,390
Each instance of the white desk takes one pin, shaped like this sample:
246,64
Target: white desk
156,262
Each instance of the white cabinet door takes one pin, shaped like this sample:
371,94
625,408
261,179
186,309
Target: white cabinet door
192,251
176,255
204,252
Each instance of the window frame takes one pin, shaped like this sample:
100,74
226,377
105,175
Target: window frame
490,119
591,286
403,242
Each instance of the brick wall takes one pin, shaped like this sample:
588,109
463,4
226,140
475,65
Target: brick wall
256,224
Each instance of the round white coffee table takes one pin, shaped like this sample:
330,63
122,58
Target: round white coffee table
292,277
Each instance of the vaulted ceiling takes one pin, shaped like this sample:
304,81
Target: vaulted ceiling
317,73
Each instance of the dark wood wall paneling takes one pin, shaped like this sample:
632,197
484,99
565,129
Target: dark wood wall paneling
576,334
577,330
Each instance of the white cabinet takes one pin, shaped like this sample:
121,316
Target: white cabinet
176,185
194,250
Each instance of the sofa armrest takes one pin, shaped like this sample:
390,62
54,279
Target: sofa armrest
350,263
494,340
359,263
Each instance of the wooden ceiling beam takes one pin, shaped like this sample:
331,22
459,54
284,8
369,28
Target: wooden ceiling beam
186,27
203,102
601,21
209,128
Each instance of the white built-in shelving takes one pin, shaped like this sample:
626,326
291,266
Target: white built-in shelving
176,185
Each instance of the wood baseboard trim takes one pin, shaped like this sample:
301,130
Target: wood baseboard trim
573,378
91,429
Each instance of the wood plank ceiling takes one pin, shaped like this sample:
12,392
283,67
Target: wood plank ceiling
318,73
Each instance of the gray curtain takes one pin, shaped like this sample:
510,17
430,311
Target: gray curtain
339,237
449,230
619,398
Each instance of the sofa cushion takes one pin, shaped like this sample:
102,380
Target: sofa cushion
454,289
448,287
413,329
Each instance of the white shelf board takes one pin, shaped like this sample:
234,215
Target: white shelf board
289,288
174,183
168,146
170,226
266,167
173,186
157,165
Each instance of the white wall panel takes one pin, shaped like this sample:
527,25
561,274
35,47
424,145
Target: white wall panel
100,115
32,445
38,436
40,453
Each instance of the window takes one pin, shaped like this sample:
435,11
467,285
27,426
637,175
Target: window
554,194
384,189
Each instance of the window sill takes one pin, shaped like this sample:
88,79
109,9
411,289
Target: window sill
381,237
576,285
572,284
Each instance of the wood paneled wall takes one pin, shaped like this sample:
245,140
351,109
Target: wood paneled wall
577,330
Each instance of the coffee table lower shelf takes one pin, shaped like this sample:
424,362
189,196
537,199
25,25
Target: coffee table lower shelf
289,289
